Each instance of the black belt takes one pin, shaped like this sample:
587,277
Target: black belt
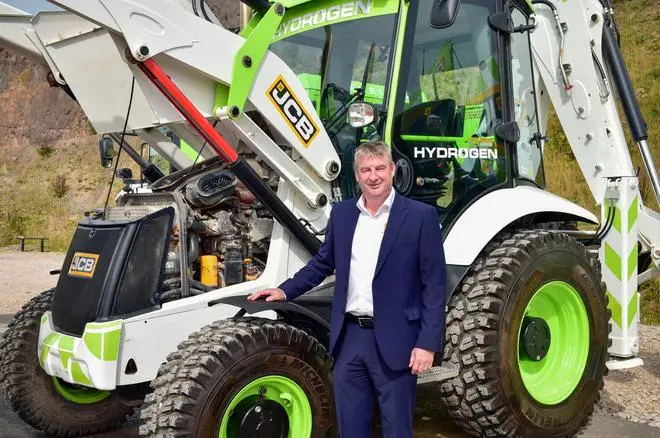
362,321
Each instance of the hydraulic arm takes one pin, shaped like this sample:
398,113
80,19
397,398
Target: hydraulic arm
582,73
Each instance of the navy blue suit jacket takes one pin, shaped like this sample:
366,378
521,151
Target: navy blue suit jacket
408,285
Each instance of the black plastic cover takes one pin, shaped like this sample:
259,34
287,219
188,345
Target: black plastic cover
444,12
111,268
144,269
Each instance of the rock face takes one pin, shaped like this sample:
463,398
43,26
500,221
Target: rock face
33,113
227,11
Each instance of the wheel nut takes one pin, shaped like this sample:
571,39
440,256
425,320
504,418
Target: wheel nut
286,399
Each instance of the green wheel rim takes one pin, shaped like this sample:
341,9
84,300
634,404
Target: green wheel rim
78,394
554,378
282,390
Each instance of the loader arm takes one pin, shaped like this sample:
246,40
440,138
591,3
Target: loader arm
88,46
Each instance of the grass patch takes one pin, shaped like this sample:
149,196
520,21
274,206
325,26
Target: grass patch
45,152
60,187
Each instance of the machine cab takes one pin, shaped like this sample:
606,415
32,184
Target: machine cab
443,84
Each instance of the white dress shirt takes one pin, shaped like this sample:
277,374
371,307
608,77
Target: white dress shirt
368,236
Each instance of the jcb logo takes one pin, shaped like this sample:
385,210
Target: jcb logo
83,264
292,111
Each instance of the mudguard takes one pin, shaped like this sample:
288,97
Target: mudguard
496,210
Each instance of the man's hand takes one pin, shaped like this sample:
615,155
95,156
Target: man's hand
273,294
420,360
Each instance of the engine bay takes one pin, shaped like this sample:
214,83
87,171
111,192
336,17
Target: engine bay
221,232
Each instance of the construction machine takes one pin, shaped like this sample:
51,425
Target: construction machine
150,307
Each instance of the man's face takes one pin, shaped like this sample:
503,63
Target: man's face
374,175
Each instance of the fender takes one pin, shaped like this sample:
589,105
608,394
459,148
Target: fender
496,210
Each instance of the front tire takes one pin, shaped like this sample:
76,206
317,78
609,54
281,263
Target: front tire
243,378
529,331
48,404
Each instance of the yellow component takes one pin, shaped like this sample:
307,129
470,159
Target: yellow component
209,264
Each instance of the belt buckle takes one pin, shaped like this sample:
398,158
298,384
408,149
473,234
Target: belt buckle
364,322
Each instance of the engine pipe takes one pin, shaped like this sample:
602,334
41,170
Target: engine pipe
242,170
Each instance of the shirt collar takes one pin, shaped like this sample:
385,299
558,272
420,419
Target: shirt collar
387,205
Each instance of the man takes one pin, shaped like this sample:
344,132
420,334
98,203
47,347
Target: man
388,306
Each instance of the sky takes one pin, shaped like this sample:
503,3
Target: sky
31,6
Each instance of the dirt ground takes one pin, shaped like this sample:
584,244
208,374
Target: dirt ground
24,275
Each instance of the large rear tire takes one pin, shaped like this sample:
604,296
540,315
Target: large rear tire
242,378
529,331
47,404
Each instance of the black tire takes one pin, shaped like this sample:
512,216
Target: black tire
198,381
31,392
488,398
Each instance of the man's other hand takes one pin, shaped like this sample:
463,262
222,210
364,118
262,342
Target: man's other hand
420,360
273,294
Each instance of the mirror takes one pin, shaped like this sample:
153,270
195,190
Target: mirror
361,114
124,173
443,13
106,150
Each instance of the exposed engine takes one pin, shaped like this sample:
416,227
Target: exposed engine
226,230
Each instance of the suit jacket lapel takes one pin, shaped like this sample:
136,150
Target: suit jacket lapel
350,224
394,223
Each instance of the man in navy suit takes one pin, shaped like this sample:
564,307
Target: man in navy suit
388,310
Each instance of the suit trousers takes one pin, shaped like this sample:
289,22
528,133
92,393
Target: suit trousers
361,377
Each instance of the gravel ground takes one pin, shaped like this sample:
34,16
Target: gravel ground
632,395
24,275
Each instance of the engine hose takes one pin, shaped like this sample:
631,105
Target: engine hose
203,287
175,281
170,294
193,248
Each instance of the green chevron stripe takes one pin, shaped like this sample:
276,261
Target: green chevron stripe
632,262
617,313
632,308
632,214
612,260
615,308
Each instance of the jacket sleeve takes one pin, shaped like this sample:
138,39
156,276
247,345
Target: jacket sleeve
433,277
316,270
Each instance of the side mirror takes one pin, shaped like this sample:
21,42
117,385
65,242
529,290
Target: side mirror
124,173
107,152
443,13
361,114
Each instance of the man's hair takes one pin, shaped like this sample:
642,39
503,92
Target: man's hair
375,148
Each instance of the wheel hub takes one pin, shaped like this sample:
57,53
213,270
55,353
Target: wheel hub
265,419
536,338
